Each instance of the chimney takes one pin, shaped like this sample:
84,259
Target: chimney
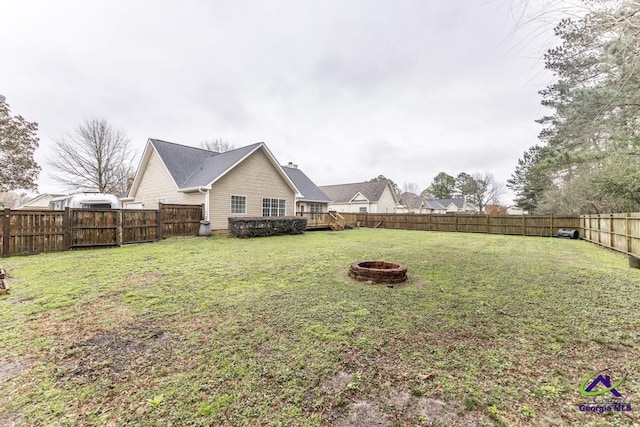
291,165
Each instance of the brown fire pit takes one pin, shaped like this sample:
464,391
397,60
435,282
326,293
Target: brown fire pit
378,272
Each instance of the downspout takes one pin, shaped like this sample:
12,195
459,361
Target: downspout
206,202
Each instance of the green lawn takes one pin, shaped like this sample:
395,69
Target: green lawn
489,330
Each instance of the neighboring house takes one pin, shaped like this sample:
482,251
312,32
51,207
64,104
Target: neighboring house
432,206
372,197
514,210
413,203
409,203
41,201
311,199
455,205
247,181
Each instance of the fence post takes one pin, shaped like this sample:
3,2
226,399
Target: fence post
119,226
628,233
599,229
612,240
66,228
488,227
456,217
429,225
159,217
6,231
524,225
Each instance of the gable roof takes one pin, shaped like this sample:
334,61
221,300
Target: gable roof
310,191
409,199
344,193
192,168
458,202
181,161
434,204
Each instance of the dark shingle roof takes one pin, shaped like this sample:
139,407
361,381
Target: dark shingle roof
310,191
343,193
434,204
181,160
193,167
214,166
458,202
410,199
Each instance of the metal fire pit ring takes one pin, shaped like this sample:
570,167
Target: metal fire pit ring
378,272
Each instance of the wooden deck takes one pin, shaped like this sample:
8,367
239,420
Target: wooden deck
323,220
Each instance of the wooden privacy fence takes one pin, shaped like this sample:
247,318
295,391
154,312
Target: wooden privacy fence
620,231
26,232
524,225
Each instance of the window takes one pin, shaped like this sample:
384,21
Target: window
238,204
363,209
316,208
274,207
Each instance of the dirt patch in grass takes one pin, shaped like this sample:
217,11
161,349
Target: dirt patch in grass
401,406
20,300
337,383
12,369
10,420
117,354
148,278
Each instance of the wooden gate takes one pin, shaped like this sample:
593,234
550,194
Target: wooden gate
139,225
93,227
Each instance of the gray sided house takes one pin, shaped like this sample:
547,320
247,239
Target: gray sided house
372,197
245,182
311,199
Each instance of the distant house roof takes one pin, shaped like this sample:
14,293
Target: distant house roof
192,168
433,204
458,202
344,193
41,200
310,191
409,199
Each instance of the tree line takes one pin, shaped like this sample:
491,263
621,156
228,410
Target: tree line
588,158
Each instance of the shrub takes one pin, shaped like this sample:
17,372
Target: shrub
266,226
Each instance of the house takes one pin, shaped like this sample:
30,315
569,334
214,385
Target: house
409,203
311,199
432,206
412,203
514,210
373,197
41,201
247,181
455,205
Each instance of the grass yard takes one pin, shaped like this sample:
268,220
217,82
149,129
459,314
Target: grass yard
489,330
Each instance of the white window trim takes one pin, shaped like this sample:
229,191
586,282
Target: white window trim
231,204
278,208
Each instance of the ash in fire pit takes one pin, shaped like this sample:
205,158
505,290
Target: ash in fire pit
378,272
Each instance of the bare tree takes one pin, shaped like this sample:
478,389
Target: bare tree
409,197
486,190
95,156
217,145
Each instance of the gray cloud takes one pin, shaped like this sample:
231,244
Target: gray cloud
348,90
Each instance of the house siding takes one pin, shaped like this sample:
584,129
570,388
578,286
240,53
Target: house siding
256,178
386,204
156,183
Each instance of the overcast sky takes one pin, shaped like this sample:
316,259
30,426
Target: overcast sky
348,90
